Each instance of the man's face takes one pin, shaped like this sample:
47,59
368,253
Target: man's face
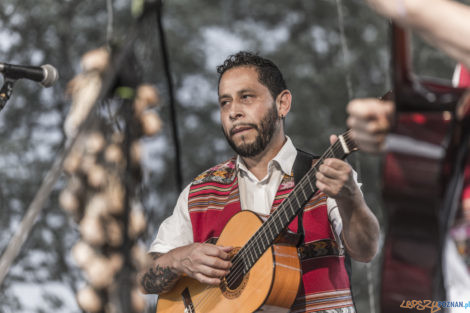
247,110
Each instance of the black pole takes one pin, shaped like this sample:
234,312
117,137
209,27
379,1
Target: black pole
173,118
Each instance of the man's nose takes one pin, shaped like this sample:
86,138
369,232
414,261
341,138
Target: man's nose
235,110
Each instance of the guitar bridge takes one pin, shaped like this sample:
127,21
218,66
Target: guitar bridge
188,303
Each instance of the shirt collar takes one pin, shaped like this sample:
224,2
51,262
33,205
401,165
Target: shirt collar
284,159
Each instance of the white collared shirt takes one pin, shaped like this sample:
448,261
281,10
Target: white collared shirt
255,195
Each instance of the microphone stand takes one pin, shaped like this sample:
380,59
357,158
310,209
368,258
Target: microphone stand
6,91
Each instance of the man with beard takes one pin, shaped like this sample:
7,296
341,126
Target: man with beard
254,101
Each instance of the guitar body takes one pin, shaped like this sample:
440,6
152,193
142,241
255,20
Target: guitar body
419,172
270,286
414,176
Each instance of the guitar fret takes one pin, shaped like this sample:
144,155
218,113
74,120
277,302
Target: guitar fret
303,192
297,200
332,153
271,231
246,266
308,178
250,259
266,239
258,246
293,209
275,226
285,216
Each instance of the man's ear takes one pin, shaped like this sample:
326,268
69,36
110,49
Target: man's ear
283,102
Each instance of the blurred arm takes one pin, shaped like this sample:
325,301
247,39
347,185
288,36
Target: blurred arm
443,23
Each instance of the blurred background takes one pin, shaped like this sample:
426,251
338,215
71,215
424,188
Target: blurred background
329,52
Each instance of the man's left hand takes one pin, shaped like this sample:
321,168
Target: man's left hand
335,178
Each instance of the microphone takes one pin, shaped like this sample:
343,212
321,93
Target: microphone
46,74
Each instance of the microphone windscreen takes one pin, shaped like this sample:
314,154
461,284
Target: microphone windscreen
51,75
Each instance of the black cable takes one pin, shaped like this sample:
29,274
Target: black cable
166,65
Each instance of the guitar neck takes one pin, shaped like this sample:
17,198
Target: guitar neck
290,207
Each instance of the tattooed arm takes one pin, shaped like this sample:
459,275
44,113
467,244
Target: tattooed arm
157,279
205,262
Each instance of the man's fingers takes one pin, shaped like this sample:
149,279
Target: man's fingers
217,251
329,171
336,164
333,139
226,249
207,280
326,188
217,263
212,272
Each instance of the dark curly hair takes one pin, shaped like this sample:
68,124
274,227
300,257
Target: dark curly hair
268,73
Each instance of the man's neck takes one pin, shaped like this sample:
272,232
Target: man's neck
258,164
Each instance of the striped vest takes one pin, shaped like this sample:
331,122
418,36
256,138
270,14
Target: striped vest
325,288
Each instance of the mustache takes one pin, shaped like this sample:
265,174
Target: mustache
251,125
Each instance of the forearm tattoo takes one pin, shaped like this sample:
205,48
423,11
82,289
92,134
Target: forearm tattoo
158,279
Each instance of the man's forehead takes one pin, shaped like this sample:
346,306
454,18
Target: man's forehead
239,79
240,91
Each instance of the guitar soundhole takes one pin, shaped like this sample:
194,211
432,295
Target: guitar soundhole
233,284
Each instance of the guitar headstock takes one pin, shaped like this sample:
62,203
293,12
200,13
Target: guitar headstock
347,142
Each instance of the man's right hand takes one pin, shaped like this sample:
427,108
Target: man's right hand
202,261
205,262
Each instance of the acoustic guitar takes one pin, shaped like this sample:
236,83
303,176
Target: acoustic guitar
265,273
418,169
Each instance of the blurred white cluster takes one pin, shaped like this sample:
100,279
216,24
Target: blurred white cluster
95,195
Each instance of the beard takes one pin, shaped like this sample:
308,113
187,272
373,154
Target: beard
265,129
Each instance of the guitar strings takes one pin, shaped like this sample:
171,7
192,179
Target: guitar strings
238,265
